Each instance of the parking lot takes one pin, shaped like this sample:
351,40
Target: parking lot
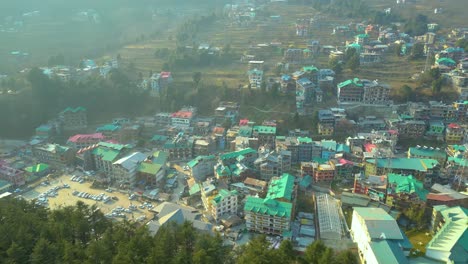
68,190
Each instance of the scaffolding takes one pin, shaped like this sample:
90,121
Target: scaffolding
329,219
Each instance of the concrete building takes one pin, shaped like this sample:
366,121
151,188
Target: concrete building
378,237
363,91
323,172
54,154
266,135
105,154
428,153
273,214
201,167
183,118
454,134
302,148
124,170
273,164
225,203
255,78
414,166
74,118
80,141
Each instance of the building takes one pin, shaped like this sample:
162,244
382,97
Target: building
420,168
273,214
203,146
105,154
329,220
54,154
411,129
373,186
428,153
171,212
378,237
404,187
224,203
74,118
183,118
256,186
163,119
449,244
266,135
246,156
323,172
302,149
454,134
273,164
201,167
293,56
124,170
110,131
363,91
80,141
442,195
255,78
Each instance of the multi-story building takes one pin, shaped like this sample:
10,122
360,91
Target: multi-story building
305,87
375,231
163,119
323,172
411,129
373,186
326,124
124,170
110,131
203,146
302,148
255,78
454,134
363,91
436,129
293,56
84,140
420,168
183,118
273,164
201,167
266,135
246,156
273,214
179,149
404,188
256,186
225,203
74,118
105,154
54,154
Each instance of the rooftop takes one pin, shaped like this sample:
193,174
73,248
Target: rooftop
406,163
84,137
379,223
199,159
268,207
281,188
265,129
236,154
149,168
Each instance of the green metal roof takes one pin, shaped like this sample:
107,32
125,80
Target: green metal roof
160,157
405,164
223,194
245,131
306,181
388,251
196,160
281,188
304,140
264,129
149,168
194,189
268,207
236,154
44,128
309,68
427,152
37,168
407,184
354,81
107,154
108,127
362,36
459,161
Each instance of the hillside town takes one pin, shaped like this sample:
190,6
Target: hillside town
386,179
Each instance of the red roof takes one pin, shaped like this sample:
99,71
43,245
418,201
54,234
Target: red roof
439,197
393,132
165,74
182,114
453,125
243,122
218,130
344,162
369,147
85,137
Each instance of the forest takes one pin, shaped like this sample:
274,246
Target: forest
82,234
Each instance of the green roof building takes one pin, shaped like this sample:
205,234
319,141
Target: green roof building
224,203
38,169
404,185
428,153
272,215
202,167
248,155
409,166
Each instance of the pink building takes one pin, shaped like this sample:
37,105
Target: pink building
80,141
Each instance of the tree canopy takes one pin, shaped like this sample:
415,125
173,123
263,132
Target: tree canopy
82,234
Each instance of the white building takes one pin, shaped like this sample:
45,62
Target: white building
255,78
225,203
378,237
